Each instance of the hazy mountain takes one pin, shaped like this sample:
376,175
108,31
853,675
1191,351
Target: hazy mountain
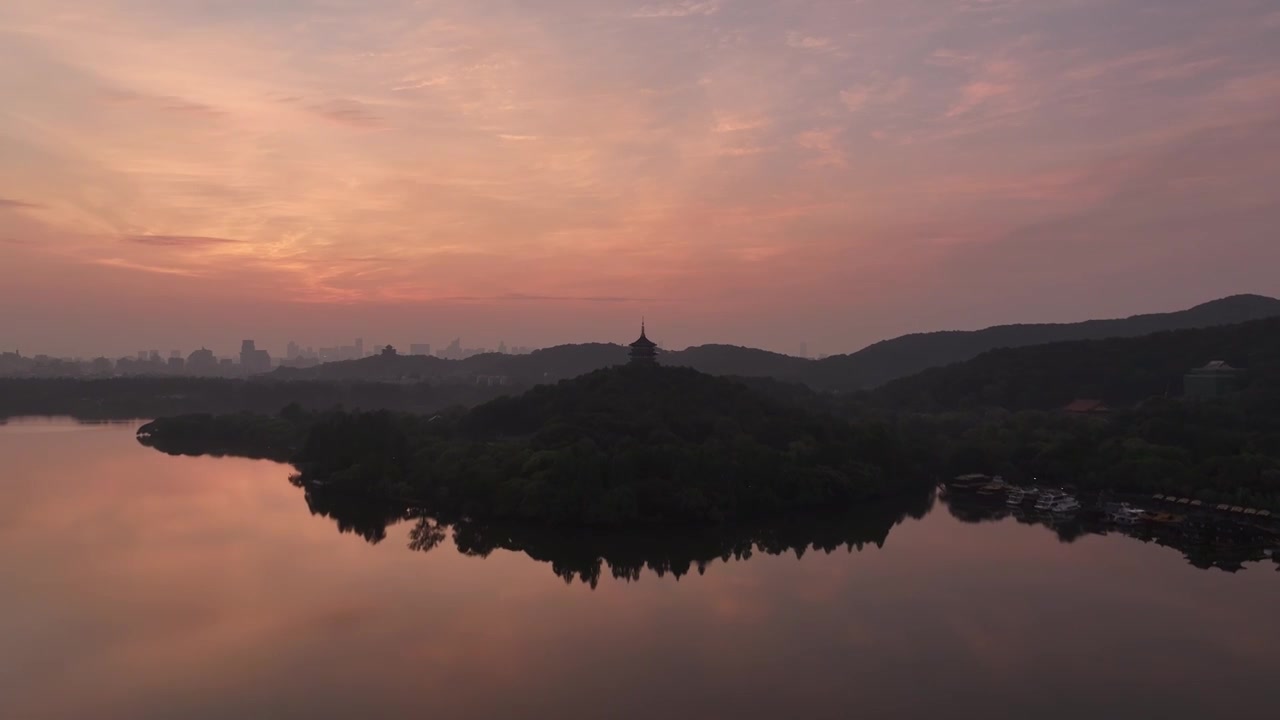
740,361
910,354
872,366
1118,371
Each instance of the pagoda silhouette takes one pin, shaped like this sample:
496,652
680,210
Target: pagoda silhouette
644,351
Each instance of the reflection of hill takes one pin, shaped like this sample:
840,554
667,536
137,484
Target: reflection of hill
586,555
1223,545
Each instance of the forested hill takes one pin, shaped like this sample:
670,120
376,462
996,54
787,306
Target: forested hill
910,354
1118,371
867,368
620,445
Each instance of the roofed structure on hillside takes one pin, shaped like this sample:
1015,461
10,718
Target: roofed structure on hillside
1215,379
1086,407
643,350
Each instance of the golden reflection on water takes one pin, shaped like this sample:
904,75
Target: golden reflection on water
138,585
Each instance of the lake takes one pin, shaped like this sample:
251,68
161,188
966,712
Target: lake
141,585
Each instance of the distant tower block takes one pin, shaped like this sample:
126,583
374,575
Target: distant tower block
644,351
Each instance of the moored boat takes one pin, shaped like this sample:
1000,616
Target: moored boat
1162,518
1125,514
1065,505
1048,498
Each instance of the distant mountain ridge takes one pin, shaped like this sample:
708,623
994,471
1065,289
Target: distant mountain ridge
870,367
907,355
1118,371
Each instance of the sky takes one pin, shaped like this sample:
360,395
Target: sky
177,173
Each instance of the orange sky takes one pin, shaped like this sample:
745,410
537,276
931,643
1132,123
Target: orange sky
763,172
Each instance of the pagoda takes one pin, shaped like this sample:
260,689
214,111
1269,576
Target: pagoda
644,351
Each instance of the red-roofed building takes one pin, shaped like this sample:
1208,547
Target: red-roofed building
1086,407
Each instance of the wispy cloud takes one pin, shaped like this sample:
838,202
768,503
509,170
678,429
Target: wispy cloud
8,203
815,43
688,8
124,264
875,95
167,104
184,241
520,297
350,113
824,146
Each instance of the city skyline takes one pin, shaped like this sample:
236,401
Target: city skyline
749,172
292,351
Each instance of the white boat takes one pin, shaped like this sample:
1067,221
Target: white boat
1016,496
1048,498
1125,514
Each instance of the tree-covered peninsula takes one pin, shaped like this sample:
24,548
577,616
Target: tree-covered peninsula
623,445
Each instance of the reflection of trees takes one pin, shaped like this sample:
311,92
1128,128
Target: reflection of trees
1205,543
366,518
426,534
586,554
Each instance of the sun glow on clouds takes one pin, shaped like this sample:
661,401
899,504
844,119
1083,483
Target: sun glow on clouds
707,152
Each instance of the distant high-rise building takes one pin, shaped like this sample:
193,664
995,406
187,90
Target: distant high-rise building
174,354
292,351
454,351
154,356
359,346
202,361
420,348
502,347
253,360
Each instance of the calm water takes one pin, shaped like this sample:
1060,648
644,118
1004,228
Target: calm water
138,585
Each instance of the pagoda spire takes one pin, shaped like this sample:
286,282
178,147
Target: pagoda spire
644,350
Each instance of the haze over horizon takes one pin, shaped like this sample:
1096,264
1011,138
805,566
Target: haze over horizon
181,173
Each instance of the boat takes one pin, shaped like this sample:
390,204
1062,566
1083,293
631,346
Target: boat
996,486
1162,518
1066,505
1125,514
1048,498
972,481
1016,496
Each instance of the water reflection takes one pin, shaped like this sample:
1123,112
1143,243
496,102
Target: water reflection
141,586
59,423
1205,543
586,555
